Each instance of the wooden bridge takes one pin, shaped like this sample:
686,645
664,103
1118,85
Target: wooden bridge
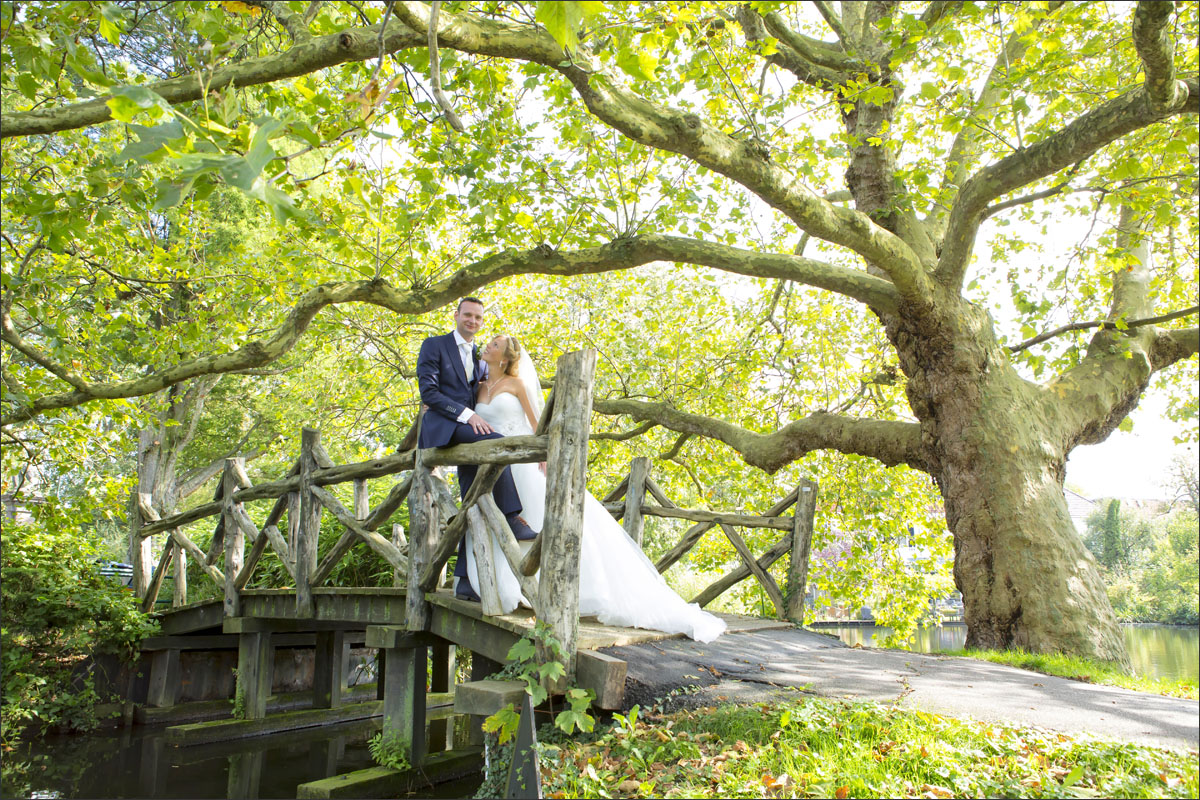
418,621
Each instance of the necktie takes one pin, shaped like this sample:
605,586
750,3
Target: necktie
465,351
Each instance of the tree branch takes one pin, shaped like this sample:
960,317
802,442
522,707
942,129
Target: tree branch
435,70
812,61
965,151
35,354
1094,396
623,436
620,254
939,10
1157,51
1104,324
1171,346
310,55
295,24
834,21
745,162
890,442
1075,142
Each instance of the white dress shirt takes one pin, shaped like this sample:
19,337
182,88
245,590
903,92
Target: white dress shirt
468,362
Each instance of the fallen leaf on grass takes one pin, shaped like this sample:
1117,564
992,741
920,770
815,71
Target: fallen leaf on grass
628,787
936,791
776,783
842,792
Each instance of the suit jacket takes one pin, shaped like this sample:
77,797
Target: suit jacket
444,387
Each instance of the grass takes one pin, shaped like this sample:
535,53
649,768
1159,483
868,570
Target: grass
813,747
1083,669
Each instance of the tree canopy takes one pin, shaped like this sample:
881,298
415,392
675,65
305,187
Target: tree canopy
955,238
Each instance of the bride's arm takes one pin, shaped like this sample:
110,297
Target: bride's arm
523,396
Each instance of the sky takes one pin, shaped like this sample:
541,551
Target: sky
1131,465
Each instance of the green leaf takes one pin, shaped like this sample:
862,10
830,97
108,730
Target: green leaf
29,85
127,101
1073,777
522,650
561,20
637,63
150,140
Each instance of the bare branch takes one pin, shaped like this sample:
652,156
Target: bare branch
1103,324
965,151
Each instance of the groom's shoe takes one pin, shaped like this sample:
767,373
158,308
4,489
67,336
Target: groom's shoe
520,528
464,590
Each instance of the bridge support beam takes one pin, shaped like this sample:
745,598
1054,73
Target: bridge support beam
329,669
404,699
164,678
256,664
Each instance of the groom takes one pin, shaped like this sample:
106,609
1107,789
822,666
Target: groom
448,372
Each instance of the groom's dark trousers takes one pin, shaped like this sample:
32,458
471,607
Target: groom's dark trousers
446,390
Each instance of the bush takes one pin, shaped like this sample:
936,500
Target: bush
57,609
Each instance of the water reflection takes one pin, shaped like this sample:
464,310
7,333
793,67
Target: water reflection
1159,651
139,763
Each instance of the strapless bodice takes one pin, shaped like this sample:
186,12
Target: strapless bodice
505,414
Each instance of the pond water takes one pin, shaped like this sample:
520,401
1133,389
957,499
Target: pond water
138,763
1158,651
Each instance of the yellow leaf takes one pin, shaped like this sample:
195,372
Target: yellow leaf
241,8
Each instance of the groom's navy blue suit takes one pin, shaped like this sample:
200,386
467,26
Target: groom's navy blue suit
447,391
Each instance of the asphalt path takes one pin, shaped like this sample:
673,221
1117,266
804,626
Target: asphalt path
755,666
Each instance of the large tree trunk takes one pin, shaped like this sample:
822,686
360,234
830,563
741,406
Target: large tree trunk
1026,577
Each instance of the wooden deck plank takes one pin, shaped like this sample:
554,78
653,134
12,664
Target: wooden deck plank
372,605
593,634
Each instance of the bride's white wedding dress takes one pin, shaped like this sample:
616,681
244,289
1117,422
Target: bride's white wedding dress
617,583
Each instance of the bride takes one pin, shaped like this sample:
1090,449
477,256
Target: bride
617,582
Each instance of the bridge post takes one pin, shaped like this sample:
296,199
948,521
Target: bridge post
423,531
635,495
235,539
310,524
802,532
566,486
181,591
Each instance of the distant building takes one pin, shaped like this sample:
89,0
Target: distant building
1080,508
17,508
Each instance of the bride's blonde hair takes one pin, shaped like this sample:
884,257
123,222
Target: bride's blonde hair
512,355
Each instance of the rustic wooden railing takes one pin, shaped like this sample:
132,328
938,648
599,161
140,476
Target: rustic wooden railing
628,501
437,523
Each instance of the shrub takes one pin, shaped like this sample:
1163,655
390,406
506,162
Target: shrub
57,609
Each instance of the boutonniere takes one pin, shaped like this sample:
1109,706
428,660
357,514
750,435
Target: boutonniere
475,352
